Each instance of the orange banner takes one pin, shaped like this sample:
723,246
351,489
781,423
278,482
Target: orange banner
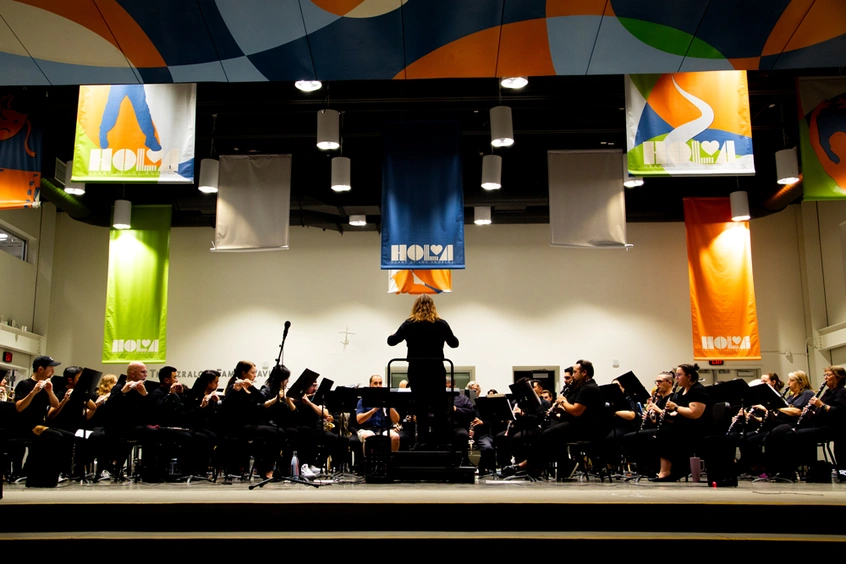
722,293
419,281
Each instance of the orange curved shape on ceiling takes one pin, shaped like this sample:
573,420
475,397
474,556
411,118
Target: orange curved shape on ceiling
556,8
524,50
785,26
337,7
472,56
133,41
825,20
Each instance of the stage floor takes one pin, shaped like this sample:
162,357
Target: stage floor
483,491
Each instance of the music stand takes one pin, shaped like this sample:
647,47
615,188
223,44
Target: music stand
525,395
494,408
343,400
633,386
303,383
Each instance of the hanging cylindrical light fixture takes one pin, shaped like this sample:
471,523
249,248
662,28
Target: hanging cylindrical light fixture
209,174
358,220
308,85
71,187
341,174
787,166
123,214
482,215
492,172
629,180
328,130
514,82
739,206
502,132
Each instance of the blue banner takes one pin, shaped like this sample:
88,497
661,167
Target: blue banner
422,197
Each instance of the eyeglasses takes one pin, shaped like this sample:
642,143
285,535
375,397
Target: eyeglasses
657,382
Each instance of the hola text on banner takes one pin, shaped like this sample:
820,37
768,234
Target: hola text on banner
722,292
422,197
135,133
136,298
20,156
689,123
822,134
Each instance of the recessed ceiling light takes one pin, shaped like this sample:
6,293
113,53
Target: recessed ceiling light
514,82
308,85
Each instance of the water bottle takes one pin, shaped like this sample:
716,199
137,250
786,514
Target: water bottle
834,475
295,465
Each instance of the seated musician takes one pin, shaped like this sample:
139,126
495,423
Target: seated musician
482,433
33,397
462,415
822,419
373,420
316,439
639,446
685,422
171,407
245,415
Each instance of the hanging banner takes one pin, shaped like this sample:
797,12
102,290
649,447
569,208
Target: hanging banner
20,157
135,133
422,197
253,203
136,298
587,207
689,124
822,134
722,293
419,281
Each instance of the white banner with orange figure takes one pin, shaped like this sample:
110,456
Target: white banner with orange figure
722,292
419,281
135,133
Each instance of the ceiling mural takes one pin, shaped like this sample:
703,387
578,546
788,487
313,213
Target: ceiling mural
55,42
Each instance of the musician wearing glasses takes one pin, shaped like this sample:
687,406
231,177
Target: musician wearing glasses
683,423
822,419
640,445
583,421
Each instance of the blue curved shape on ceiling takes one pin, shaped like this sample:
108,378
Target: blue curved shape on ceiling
359,48
431,24
173,28
740,29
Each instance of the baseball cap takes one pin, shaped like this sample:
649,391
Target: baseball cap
43,361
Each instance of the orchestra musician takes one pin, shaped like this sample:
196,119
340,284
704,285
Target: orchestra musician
583,421
822,419
640,445
245,412
373,420
33,397
685,422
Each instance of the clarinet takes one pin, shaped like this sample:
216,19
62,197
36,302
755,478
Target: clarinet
807,407
646,411
664,411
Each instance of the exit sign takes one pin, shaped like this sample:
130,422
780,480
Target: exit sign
716,362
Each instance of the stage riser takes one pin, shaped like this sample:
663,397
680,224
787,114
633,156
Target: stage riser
504,518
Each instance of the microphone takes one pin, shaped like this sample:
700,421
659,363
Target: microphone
285,332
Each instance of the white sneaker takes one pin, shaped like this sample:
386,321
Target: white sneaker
314,469
306,472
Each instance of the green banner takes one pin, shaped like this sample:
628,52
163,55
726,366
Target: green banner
136,299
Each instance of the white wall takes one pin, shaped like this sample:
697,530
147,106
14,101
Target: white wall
519,302
17,278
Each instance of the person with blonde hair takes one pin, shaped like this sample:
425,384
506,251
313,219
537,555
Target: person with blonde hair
425,335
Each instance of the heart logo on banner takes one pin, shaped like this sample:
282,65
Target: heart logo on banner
146,343
736,340
710,147
436,249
